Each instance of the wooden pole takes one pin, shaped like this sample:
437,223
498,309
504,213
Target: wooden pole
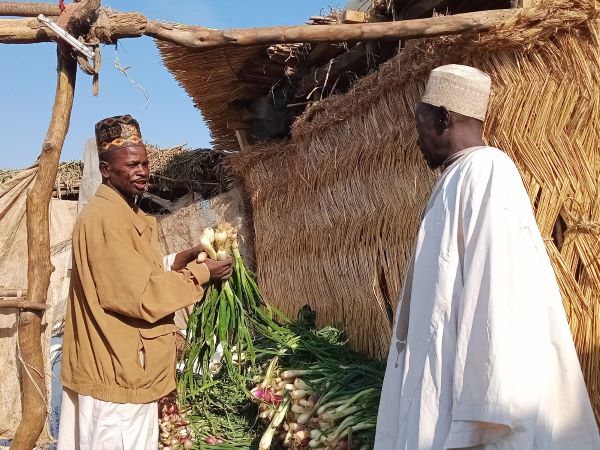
29,9
39,268
25,31
14,302
199,37
13,292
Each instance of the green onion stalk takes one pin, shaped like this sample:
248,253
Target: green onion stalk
333,394
221,327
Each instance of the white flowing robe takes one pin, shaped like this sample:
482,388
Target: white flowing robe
482,355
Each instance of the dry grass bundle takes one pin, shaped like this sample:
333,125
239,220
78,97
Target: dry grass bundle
199,170
336,208
335,214
68,176
7,174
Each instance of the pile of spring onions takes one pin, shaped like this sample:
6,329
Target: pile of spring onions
224,418
312,392
305,386
329,403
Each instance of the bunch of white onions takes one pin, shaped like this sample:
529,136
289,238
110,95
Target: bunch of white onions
318,413
175,433
219,243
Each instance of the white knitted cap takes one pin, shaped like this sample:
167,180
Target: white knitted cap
462,89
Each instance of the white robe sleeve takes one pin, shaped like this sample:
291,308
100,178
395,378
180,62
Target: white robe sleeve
168,261
490,312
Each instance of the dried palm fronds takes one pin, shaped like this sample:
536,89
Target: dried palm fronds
198,170
343,197
7,174
67,178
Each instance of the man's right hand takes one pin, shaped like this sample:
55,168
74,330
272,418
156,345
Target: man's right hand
219,270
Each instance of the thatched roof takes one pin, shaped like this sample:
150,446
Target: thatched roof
182,169
212,79
224,83
263,89
174,172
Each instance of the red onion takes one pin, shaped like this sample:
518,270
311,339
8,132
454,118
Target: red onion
342,445
266,396
258,393
210,440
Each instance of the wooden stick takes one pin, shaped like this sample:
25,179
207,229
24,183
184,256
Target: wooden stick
199,37
24,31
14,302
29,9
13,292
39,268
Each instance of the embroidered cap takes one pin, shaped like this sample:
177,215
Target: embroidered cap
117,132
461,89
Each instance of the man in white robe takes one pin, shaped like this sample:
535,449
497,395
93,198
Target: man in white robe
481,355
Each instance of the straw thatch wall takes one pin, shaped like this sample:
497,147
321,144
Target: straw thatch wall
337,207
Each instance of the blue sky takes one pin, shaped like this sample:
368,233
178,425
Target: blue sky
29,79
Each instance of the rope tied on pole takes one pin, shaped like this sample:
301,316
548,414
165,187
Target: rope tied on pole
92,69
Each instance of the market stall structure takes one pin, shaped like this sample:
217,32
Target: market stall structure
345,185
337,178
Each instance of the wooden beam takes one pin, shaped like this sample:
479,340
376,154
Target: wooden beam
39,267
241,133
113,25
29,9
242,138
320,53
25,31
16,302
351,16
79,16
109,27
13,292
19,31
199,37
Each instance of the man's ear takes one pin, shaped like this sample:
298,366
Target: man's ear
104,167
444,118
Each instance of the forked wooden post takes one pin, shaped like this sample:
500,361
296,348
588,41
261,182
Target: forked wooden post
39,268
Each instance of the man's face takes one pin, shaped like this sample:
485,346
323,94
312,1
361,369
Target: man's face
126,169
428,133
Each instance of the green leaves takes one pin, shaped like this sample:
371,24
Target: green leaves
231,315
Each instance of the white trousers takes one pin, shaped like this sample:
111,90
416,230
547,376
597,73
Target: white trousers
90,424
